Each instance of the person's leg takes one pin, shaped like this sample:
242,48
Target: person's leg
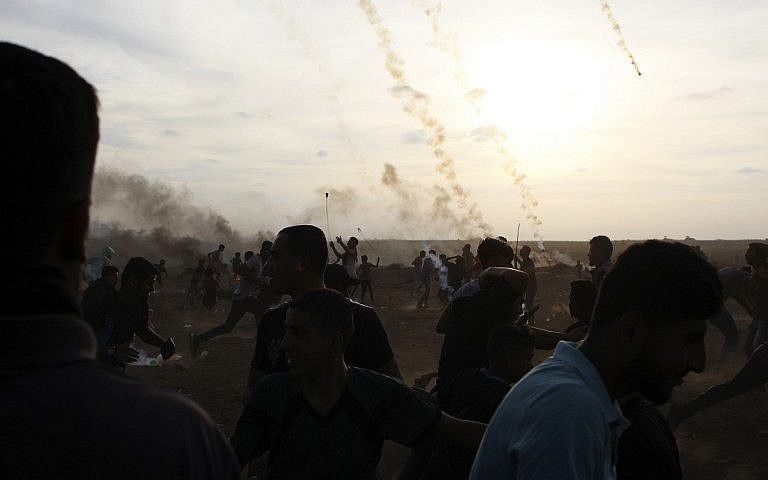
751,375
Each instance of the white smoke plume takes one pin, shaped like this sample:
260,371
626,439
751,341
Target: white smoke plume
417,105
449,43
620,36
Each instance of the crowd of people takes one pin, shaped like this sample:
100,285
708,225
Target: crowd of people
325,389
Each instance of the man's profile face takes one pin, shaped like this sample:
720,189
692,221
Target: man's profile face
595,255
281,266
306,348
142,287
672,351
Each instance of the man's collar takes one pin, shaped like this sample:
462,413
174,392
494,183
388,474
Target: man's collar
34,341
568,352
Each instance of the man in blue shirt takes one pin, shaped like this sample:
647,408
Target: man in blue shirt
647,332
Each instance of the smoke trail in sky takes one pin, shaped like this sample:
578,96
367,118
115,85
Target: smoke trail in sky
417,105
617,30
313,51
449,43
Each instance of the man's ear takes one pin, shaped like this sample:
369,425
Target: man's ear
73,232
632,332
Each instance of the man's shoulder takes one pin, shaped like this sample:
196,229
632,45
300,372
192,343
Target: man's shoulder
360,310
276,313
371,384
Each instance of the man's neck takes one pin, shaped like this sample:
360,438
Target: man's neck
607,368
324,388
305,285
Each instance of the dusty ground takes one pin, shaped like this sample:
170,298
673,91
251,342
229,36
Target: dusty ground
727,442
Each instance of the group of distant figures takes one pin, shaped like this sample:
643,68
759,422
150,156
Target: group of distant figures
324,388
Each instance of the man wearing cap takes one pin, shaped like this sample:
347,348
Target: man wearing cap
297,264
117,318
244,298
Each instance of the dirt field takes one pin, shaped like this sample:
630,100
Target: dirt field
727,442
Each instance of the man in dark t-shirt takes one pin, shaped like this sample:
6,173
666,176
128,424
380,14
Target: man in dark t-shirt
323,419
297,264
118,317
475,394
647,449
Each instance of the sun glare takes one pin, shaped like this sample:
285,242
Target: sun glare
546,90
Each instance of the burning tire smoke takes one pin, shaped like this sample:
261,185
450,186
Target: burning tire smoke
617,29
417,105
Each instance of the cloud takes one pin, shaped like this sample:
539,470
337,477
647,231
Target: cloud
707,95
579,170
750,171
486,133
169,132
322,153
414,137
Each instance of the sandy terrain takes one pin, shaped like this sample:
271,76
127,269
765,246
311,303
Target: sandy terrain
726,442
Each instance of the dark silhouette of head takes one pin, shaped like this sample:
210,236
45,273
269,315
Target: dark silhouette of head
525,251
110,274
248,254
581,299
422,253
318,327
298,257
352,243
600,250
266,246
510,351
138,279
337,278
494,253
221,247
651,313
49,130
757,255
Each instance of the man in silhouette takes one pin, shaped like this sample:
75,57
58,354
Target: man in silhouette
64,416
600,251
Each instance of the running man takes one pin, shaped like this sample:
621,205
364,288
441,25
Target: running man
364,275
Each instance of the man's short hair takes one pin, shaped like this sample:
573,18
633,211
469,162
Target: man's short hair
492,247
506,340
266,245
525,248
221,246
761,252
603,243
307,241
664,281
109,270
49,130
248,254
583,295
138,267
328,311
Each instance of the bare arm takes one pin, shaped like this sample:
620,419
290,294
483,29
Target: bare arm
150,336
464,432
547,339
377,262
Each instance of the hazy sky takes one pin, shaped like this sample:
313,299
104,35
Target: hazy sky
259,107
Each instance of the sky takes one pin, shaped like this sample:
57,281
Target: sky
256,108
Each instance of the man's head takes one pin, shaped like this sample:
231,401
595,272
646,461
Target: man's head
352,243
162,262
138,279
364,258
757,255
510,351
600,250
318,327
525,251
110,275
221,247
494,253
503,239
432,253
651,316
49,130
422,253
443,258
237,254
504,286
466,248
248,255
297,258
266,246
581,299
337,279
